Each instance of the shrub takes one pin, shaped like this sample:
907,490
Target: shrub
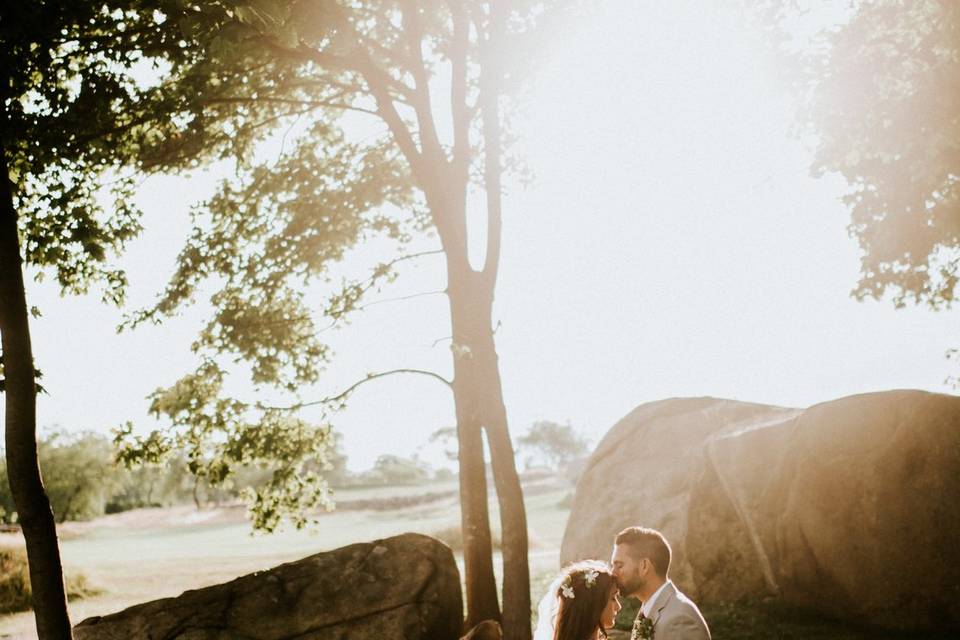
15,582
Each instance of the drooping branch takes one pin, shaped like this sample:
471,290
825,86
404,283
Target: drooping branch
345,301
339,398
412,296
303,103
340,305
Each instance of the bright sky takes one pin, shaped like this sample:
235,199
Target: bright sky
672,244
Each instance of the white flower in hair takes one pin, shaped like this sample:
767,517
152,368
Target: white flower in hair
590,577
567,591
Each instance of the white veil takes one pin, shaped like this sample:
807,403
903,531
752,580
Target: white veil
547,611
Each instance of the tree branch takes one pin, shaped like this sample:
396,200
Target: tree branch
402,298
388,113
413,29
340,397
304,103
365,285
380,84
461,112
333,62
490,110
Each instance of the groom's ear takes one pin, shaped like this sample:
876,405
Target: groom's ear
646,565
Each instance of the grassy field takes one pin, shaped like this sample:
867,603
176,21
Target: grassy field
147,554
154,553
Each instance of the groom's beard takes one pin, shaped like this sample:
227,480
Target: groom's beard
631,586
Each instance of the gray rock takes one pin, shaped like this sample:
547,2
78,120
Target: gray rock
404,588
850,508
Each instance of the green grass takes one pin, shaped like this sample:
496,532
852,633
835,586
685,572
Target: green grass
765,620
762,620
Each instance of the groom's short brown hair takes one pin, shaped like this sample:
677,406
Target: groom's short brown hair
647,543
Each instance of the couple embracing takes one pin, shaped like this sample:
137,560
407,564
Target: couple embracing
585,598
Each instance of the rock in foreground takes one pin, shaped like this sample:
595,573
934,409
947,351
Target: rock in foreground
401,588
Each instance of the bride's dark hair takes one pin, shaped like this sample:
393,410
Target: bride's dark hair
589,582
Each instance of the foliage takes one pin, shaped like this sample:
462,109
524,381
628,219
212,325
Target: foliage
84,481
78,118
270,229
552,445
79,475
447,437
149,486
101,93
79,123
882,94
397,470
340,89
15,592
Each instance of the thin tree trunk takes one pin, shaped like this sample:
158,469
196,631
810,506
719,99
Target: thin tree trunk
513,516
481,585
196,492
23,468
479,362
476,385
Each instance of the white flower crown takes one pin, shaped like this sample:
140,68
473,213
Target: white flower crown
589,578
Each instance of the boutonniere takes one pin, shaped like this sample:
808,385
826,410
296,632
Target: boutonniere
642,628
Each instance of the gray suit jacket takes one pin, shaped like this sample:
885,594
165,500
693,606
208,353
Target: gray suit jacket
675,617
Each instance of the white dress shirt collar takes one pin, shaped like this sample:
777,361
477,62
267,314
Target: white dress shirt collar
647,608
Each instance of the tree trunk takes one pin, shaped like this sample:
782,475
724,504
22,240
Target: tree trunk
477,385
23,468
513,515
481,586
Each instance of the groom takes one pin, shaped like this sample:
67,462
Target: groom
641,559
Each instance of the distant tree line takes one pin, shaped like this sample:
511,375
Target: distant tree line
85,481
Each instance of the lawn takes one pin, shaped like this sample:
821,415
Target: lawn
154,553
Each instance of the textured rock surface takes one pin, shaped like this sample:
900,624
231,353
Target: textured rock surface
643,470
850,507
404,588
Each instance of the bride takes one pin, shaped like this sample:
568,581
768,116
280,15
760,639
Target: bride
581,604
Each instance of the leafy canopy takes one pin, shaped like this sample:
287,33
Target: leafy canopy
883,99
340,94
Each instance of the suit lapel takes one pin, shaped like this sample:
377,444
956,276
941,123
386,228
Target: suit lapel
662,600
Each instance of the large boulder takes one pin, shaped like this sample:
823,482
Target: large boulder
850,508
404,588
